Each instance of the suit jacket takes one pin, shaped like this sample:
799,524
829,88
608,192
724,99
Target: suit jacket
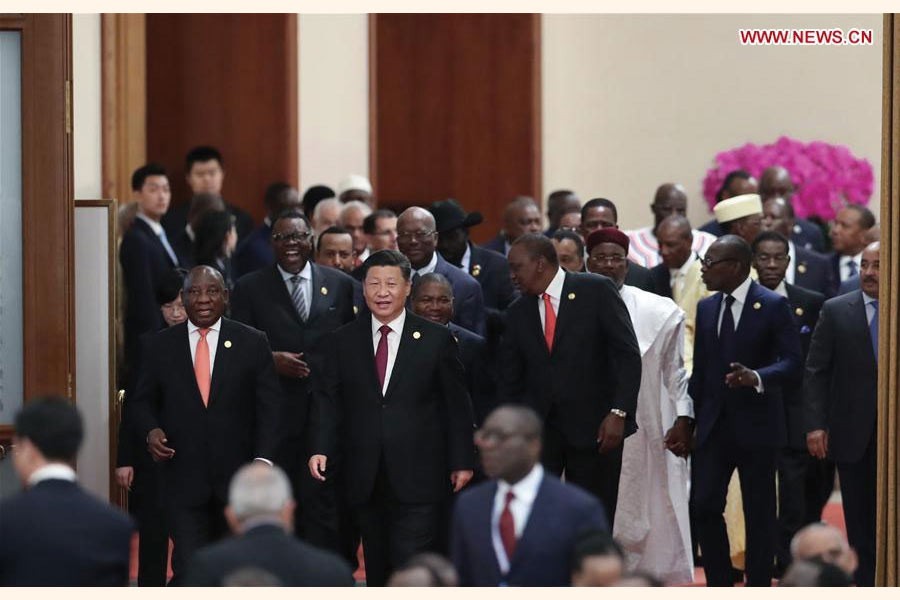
805,307
835,261
662,280
497,244
145,263
639,276
559,515
262,300
176,218
595,364
479,369
254,252
851,284
468,300
769,344
56,534
808,235
840,387
491,270
812,271
421,429
242,421
270,548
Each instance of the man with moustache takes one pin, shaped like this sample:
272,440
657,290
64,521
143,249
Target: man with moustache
840,398
392,401
207,401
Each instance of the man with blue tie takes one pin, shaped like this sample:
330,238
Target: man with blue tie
146,258
840,399
849,236
746,349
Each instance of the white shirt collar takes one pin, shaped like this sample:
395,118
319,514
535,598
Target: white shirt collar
683,269
429,268
466,259
554,290
525,489
305,272
52,471
857,258
396,325
154,225
868,299
189,231
740,293
781,290
214,327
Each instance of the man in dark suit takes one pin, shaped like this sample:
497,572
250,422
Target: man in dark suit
804,483
559,203
392,402
260,513
255,251
599,213
570,353
746,348
849,237
207,401
417,240
806,268
146,257
736,183
53,533
840,397
520,528
296,303
522,215
775,182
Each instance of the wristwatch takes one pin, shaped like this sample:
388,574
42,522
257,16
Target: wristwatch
618,413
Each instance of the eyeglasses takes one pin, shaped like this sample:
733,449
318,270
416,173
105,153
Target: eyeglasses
615,259
708,263
408,236
292,237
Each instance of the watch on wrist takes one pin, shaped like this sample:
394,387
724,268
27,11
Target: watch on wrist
618,413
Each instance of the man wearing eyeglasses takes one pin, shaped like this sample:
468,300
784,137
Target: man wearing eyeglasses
297,303
746,349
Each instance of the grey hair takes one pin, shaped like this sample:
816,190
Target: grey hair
357,204
328,202
258,490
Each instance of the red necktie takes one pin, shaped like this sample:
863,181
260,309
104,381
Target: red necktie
381,354
549,321
201,366
508,527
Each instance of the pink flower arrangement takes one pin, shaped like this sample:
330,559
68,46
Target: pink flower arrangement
825,176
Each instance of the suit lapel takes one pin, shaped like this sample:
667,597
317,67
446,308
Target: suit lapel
404,351
566,308
155,240
223,359
483,528
750,308
280,294
366,349
317,299
531,537
536,330
859,323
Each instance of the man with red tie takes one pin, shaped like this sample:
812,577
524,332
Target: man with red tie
207,401
394,411
570,353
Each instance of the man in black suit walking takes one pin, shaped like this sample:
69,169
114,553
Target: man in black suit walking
53,532
804,483
599,213
392,401
840,397
260,513
746,349
806,268
296,303
570,353
207,401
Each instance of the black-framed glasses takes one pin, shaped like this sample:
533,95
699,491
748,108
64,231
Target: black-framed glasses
408,236
709,263
295,236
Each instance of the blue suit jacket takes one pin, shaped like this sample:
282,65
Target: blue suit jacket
254,252
561,512
769,343
813,272
468,300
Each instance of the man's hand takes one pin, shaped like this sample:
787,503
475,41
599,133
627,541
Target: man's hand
741,376
678,439
817,443
290,364
156,444
124,477
459,479
611,433
317,464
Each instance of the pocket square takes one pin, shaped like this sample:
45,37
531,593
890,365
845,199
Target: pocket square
805,329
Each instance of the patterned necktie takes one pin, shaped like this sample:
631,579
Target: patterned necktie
851,268
508,527
381,354
299,298
873,329
201,366
549,321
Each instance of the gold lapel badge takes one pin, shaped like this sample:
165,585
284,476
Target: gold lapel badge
227,344
324,291
416,335
757,306
801,268
798,311
571,295
476,270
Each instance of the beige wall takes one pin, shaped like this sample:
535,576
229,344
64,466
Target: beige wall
631,101
86,106
334,98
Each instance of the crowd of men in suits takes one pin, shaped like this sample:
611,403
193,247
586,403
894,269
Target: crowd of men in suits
420,393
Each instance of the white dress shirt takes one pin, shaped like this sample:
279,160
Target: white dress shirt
212,340
740,298
792,265
393,342
525,492
429,268
466,259
305,282
554,290
844,263
51,471
781,290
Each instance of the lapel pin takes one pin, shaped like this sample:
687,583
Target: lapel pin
571,295
757,306
324,291
798,311
227,344
476,270
801,268
416,335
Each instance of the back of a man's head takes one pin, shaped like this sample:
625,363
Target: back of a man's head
259,494
53,426
597,560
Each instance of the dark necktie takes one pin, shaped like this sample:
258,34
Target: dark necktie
415,278
381,354
726,331
873,329
508,527
851,269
